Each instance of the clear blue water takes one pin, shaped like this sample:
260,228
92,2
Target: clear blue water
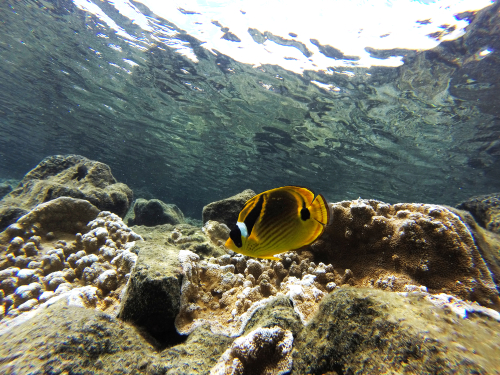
179,120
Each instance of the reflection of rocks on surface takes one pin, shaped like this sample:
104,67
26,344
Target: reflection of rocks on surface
66,176
226,211
155,212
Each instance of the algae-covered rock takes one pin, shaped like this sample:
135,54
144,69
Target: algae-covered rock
62,214
63,338
155,212
390,246
360,331
487,242
226,211
152,297
485,209
67,176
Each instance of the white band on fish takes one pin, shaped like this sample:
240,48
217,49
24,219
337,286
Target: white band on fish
243,229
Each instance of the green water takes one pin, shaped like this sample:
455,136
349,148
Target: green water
192,132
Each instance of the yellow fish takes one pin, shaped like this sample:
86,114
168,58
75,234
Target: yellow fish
279,220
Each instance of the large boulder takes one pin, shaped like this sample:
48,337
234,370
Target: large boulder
66,176
64,214
155,212
390,246
152,298
363,331
226,211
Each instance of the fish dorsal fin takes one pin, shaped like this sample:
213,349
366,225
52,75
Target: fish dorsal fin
251,212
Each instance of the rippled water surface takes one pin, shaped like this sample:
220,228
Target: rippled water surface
191,102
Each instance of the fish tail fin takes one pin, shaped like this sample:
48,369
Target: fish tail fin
320,211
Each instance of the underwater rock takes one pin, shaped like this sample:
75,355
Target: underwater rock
487,242
35,269
226,211
217,232
225,292
176,284
64,337
9,215
5,188
67,176
262,351
390,246
152,297
485,209
363,331
62,214
155,212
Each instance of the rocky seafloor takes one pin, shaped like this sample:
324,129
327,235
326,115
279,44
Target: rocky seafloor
91,283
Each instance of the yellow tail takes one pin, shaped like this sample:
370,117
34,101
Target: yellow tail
319,210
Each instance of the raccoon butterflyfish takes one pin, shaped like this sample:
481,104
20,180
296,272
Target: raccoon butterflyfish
279,220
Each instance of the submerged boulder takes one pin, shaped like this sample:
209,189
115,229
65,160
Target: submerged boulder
226,211
391,246
66,176
155,212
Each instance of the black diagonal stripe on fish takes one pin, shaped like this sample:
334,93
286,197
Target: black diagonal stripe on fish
279,220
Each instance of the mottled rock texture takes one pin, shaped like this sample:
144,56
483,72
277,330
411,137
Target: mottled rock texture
390,246
152,299
155,212
262,351
485,209
66,176
64,214
487,242
5,188
66,338
41,257
360,331
226,211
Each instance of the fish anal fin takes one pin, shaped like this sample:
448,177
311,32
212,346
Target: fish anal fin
270,257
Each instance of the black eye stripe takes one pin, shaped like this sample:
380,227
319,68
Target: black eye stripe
235,235
305,214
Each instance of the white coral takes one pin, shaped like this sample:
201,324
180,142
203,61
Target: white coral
264,351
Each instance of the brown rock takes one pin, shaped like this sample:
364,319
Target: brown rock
63,214
390,246
66,176
226,211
